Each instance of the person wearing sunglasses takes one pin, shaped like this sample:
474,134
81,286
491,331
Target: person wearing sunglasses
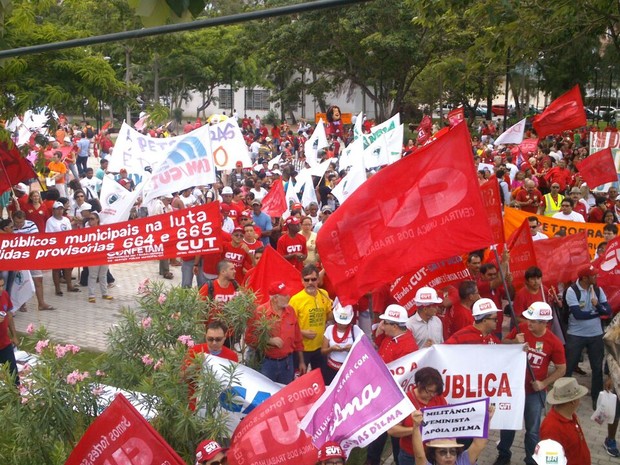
482,331
209,452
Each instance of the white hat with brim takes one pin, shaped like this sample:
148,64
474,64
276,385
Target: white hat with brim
566,390
426,296
343,315
548,452
395,314
443,442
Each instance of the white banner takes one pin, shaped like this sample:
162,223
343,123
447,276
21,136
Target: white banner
317,141
349,184
501,376
385,149
116,201
247,389
603,140
22,289
387,126
466,420
189,163
512,135
228,145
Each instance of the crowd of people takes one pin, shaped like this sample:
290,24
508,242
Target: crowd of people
313,331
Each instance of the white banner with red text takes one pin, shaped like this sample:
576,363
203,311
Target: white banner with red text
182,233
474,372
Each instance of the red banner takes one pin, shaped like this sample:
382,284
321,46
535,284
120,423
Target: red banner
609,273
270,268
274,203
565,112
120,435
560,258
598,168
436,275
270,433
182,233
13,168
493,205
528,146
456,116
521,247
404,207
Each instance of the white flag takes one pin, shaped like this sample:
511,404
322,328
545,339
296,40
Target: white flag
354,179
309,194
317,141
228,145
357,128
22,289
350,154
512,135
291,193
116,201
189,163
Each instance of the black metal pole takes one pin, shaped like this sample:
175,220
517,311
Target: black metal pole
507,79
193,25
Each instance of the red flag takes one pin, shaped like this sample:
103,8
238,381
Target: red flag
274,203
493,204
424,129
598,169
565,112
272,267
424,208
527,146
121,435
13,167
270,433
559,258
456,116
608,266
521,247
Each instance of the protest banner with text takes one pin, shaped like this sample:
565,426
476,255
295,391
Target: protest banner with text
501,377
182,233
361,403
121,435
271,433
513,218
466,420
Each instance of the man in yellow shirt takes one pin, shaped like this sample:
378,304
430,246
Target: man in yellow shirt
313,308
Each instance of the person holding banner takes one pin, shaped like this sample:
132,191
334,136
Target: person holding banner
427,392
425,325
97,273
59,223
444,451
543,348
8,335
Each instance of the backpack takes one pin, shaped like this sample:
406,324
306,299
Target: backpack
211,290
90,133
564,311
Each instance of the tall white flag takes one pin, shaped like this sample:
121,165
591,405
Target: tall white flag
116,201
512,135
354,179
228,145
189,163
357,128
309,194
317,141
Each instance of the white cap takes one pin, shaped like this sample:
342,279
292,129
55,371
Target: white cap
426,296
484,307
539,311
227,190
343,315
549,452
86,207
396,314
58,204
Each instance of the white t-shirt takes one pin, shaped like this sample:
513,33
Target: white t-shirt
259,195
339,356
574,216
93,185
539,236
54,225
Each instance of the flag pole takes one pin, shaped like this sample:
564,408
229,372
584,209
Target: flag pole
514,317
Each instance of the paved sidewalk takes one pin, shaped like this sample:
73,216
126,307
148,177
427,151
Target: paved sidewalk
79,322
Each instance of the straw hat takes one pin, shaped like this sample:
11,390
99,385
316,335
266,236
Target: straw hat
443,442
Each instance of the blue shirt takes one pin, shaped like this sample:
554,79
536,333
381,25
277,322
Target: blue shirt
263,221
84,146
584,319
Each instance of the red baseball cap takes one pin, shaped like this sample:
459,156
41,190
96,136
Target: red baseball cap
331,450
297,206
239,164
206,450
292,220
587,270
237,229
278,288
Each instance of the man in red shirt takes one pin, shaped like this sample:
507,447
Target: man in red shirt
459,315
560,174
292,245
528,294
235,208
237,252
484,312
561,423
215,336
283,339
224,288
393,337
529,198
543,347
490,286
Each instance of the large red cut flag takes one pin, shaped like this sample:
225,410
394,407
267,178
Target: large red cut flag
565,112
456,116
270,433
521,247
560,258
424,208
598,169
13,167
608,266
493,204
274,203
270,268
121,435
